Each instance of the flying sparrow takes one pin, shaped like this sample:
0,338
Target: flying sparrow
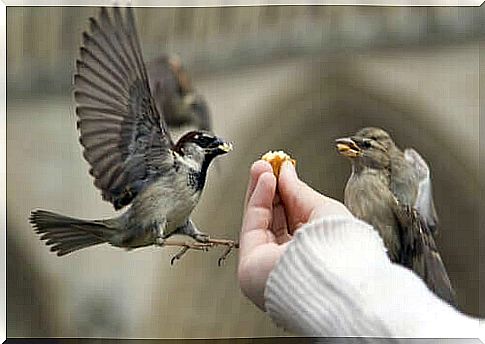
132,156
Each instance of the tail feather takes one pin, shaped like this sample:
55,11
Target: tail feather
67,234
62,234
69,247
53,240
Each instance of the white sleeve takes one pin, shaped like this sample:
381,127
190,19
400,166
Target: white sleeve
335,279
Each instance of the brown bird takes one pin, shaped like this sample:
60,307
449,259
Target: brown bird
175,96
133,159
391,190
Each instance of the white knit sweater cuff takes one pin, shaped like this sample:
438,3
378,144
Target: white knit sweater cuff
335,279
300,282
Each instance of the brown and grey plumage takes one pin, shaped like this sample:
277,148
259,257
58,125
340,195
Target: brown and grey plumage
411,178
132,156
174,95
391,190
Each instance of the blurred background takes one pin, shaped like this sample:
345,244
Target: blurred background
292,78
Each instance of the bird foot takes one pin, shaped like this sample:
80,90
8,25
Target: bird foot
230,244
186,245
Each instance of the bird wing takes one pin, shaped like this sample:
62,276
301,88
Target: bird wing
125,139
424,200
419,252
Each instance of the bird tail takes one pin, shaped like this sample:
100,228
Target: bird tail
437,278
67,234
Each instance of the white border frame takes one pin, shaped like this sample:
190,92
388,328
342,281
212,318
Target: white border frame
146,3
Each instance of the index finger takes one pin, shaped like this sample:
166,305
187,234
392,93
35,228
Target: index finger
255,230
258,168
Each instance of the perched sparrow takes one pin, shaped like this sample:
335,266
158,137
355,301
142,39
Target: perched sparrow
133,159
391,190
174,95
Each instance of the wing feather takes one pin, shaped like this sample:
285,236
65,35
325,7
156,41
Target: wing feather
424,200
420,254
124,136
98,51
85,68
88,57
91,85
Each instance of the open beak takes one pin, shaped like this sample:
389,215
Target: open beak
347,147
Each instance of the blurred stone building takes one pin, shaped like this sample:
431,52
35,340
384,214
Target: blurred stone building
291,78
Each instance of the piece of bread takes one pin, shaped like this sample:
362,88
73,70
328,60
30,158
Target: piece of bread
276,159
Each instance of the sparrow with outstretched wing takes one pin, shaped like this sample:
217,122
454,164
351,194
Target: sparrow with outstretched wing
132,156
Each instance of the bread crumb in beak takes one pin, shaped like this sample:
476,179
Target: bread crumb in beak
347,147
276,159
226,147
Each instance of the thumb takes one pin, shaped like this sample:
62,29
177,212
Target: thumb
303,204
297,197
292,190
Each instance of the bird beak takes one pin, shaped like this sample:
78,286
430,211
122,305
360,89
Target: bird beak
348,147
218,147
225,147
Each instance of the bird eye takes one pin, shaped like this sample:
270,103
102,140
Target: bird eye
203,140
366,144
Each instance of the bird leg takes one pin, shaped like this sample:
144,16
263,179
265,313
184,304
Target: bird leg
186,245
158,231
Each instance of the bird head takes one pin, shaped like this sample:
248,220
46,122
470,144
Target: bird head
201,145
369,147
378,135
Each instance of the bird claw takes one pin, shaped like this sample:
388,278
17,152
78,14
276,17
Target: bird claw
222,258
179,255
204,244
187,246
230,245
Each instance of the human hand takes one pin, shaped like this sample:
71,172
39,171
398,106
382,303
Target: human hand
273,212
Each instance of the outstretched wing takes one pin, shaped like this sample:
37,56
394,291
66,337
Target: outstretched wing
424,201
419,252
125,140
